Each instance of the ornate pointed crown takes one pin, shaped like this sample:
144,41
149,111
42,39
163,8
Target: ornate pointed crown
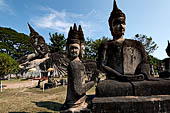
34,34
73,36
35,37
116,12
32,31
81,35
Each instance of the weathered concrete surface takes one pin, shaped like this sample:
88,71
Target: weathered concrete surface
112,88
132,104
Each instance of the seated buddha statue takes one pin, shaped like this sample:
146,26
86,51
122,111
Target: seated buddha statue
126,64
122,59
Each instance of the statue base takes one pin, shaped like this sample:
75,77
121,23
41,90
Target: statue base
132,104
113,88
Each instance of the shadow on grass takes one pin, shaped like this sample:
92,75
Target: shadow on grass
54,106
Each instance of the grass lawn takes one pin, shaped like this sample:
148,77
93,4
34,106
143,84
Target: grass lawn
33,99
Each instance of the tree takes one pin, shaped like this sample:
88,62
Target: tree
8,64
149,45
58,42
92,46
13,43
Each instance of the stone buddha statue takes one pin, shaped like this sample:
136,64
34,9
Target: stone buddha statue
122,59
77,88
41,50
126,64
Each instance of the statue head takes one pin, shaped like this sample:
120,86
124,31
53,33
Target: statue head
73,42
38,42
117,22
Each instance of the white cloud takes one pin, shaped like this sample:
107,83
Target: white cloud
62,20
5,8
2,4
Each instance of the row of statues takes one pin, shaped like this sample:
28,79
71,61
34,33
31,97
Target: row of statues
124,61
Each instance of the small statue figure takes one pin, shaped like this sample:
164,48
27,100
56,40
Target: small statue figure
77,88
122,59
166,61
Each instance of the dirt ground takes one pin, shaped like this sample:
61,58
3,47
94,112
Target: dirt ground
18,85
22,96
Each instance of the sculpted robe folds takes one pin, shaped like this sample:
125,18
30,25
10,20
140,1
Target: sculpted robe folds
125,57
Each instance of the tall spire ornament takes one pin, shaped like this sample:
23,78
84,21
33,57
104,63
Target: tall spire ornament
73,36
81,35
116,13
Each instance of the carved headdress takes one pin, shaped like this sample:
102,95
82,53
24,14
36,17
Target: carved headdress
73,36
38,42
81,35
34,34
116,12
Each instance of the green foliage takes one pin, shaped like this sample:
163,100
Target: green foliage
148,43
155,62
8,64
13,43
58,42
91,47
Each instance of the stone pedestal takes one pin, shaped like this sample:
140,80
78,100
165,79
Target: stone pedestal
113,88
132,104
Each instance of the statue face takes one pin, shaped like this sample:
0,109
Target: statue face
74,50
118,27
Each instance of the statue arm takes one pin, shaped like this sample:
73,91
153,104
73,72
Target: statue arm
111,71
144,67
102,59
101,56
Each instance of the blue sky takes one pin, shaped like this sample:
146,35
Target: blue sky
148,17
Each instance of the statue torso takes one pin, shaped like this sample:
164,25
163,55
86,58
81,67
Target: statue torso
124,56
79,69
114,56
